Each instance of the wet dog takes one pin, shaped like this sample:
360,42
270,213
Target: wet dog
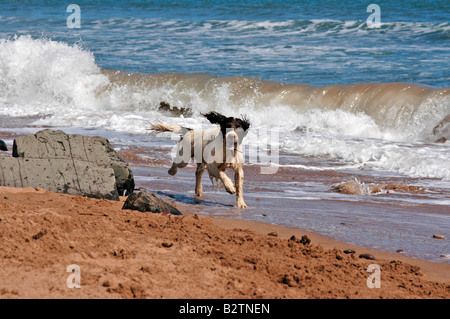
214,150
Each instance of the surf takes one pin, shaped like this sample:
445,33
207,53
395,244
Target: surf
383,126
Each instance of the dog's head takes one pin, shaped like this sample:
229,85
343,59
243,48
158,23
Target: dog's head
230,127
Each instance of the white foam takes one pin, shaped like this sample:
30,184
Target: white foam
44,77
38,76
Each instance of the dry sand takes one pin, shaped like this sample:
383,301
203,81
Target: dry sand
128,254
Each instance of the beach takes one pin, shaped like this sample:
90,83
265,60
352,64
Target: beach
348,148
129,254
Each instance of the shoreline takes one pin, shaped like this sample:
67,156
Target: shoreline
349,217
434,271
128,254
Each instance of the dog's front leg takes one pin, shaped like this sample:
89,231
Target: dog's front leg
227,182
198,179
239,181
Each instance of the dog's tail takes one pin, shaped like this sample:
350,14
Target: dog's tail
166,127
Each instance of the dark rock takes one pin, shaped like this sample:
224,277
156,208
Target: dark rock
148,202
437,236
273,234
3,146
442,130
174,110
349,251
367,256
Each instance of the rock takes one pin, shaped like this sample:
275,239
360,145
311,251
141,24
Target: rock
174,110
3,146
167,245
304,240
59,175
274,234
349,251
442,130
124,175
72,164
400,251
147,202
367,256
49,144
437,236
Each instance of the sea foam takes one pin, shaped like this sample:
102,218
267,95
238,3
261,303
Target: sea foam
380,126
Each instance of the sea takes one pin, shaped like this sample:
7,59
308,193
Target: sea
349,103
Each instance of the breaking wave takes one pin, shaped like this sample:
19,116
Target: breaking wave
63,86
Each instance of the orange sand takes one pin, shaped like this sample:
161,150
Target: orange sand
128,254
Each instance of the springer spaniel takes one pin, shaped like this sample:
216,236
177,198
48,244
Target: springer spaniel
213,149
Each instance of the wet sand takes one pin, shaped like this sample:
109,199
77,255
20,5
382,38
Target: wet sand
306,200
128,254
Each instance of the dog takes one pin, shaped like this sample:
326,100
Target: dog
214,150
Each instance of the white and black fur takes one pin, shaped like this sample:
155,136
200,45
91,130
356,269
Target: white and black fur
226,140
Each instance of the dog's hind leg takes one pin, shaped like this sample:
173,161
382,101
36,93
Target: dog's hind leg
198,179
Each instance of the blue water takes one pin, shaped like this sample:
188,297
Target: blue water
309,42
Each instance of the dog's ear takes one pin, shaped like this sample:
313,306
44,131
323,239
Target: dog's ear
245,122
214,117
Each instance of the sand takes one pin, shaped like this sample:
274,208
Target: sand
128,254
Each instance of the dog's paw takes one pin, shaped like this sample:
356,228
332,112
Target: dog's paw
172,171
199,193
241,205
231,189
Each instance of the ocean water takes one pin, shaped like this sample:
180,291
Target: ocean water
334,99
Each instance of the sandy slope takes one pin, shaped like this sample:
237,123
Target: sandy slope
127,254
